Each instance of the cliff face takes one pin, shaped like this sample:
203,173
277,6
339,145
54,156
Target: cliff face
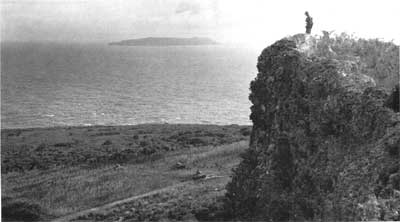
323,145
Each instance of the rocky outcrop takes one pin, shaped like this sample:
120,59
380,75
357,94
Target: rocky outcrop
323,145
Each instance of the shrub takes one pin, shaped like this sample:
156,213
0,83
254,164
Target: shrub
22,210
372,57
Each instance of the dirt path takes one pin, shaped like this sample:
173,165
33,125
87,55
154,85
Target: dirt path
115,203
130,199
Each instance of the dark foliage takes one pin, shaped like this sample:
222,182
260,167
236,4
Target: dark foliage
21,210
24,150
372,57
393,101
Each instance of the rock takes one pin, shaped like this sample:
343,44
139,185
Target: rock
394,181
319,134
397,193
393,147
118,167
107,142
198,175
179,165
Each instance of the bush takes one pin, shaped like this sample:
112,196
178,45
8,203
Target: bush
372,57
21,210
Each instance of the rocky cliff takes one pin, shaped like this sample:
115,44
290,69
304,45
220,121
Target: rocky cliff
323,146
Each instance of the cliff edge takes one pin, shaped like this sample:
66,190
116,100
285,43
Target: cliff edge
324,146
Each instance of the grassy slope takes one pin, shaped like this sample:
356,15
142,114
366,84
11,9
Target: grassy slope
47,148
67,183
188,202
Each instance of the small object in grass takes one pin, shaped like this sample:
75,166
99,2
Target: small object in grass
40,147
179,165
118,167
198,175
107,142
396,193
208,177
393,147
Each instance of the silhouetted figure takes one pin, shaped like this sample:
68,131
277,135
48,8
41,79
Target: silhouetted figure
309,23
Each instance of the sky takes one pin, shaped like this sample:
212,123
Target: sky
249,22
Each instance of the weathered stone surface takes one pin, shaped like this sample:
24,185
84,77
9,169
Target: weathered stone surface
318,147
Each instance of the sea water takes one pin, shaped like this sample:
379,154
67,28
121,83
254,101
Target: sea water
52,84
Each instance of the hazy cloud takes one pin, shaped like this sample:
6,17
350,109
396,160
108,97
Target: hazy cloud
255,21
188,7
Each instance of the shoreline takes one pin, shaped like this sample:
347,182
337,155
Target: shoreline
141,124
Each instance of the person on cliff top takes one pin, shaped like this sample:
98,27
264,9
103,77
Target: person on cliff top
309,23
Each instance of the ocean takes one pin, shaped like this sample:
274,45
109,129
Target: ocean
51,84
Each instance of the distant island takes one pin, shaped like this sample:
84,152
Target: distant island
164,41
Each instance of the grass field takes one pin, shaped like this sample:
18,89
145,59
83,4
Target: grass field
66,170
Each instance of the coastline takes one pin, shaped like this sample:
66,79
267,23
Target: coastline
123,126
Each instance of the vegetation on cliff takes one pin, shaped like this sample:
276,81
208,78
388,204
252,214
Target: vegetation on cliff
323,145
371,57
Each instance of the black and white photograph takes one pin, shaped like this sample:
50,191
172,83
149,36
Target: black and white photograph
200,110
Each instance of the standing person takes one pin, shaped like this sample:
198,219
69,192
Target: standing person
309,23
